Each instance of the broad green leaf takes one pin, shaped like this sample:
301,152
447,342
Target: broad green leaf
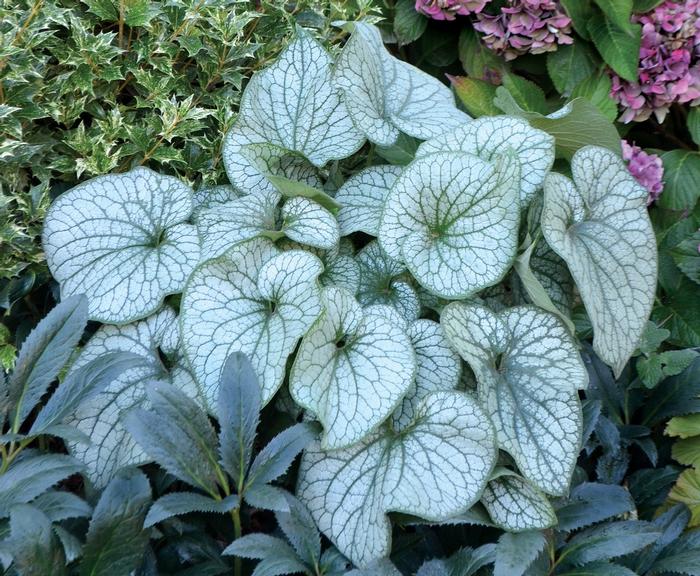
684,426
589,503
434,469
599,225
293,189
569,65
478,60
31,476
362,197
645,5
255,299
618,46
386,96
178,503
516,552
100,417
491,138
400,152
529,372
59,505
680,313
681,180
617,11
675,396
124,241
515,505
608,541
687,452
409,24
34,547
671,524
438,367
383,281
528,95
686,255
476,95
352,369
651,370
116,540
694,125
596,89
681,555
43,354
238,411
291,105
177,434
453,219
687,491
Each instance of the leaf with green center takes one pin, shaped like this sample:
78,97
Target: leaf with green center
529,372
438,367
100,417
291,105
123,240
293,189
386,96
599,225
381,283
255,299
453,219
435,469
362,197
352,369
516,505
491,137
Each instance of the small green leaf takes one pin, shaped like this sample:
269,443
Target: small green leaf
516,552
409,25
681,180
590,503
476,95
527,94
618,46
293,189
179,503
596,89
694,125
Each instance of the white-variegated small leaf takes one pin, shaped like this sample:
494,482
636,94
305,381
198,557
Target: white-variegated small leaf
435,469
339,266
293,116
122,240
529,372
490,137
352,369
362,197
381,282
307,222
599,225
255,299
386,96
111,447
516,505
438,367
453,219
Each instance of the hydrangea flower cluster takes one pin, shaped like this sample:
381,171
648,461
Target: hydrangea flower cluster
646,168
669,62
448,9
525,26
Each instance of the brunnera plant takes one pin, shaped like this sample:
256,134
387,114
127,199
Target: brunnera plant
363,288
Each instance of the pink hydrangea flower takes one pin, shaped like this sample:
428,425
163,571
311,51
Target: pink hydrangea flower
669,62
647,169
525,26
448,9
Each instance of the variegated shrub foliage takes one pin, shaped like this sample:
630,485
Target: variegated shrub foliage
419,312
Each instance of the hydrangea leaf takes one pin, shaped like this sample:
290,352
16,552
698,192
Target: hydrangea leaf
529,372
255,299
381,283
100,417
386,96
123,240
352,369
453,219
434,469
490,137
515,505
291,106
362,197
438,367
599,225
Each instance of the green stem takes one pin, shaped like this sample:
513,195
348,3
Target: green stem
236,515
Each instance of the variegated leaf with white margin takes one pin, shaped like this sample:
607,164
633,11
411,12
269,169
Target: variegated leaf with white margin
100,417
352,369
438,367
254,299
435,469
381,283
490,137
385,95
516,505
122,240
208,196
339,266
362,197
529,372
599,225
290,110
453,219
223,226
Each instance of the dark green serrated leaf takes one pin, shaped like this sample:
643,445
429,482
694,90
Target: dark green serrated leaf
409,25
590,503
178,503
681,180
569,65
35,549
618,46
